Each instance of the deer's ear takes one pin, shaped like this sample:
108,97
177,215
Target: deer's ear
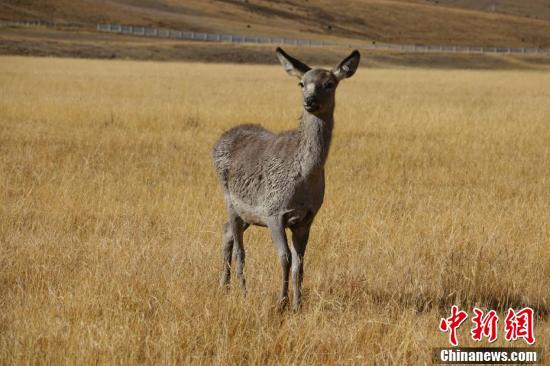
347,67
291,65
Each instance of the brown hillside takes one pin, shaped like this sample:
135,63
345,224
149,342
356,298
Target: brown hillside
464,22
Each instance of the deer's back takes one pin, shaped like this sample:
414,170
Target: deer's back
239,150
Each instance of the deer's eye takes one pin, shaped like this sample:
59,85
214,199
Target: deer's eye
301,84
328,85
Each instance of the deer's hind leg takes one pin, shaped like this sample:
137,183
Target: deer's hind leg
227,249
238,226
232,243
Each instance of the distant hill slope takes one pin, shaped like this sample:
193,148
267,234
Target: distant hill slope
537,9
509,23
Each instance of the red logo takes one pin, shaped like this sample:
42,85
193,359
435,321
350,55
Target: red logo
518,324
485,326
452,323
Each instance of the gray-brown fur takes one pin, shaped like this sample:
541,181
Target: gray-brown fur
278,180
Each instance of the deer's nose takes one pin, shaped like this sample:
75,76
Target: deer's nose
309,101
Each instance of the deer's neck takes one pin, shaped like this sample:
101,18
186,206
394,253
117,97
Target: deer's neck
315,135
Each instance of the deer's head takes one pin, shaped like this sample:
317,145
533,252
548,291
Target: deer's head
318,85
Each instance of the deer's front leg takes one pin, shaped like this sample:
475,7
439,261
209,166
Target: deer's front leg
300,237
278,236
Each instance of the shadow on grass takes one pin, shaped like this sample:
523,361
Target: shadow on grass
427,302
356,292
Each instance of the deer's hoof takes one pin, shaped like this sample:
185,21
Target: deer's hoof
224,284
282,304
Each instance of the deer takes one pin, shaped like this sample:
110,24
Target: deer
277,181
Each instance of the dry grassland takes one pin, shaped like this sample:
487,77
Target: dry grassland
438,193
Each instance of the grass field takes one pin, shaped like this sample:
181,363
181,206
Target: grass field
438,193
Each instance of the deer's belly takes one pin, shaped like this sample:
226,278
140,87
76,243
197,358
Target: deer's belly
294,207
251,214
292,214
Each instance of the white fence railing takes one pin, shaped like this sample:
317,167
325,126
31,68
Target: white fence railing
234,38
201,36
26,23
141,31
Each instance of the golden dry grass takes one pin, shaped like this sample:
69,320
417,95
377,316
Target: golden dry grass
438,192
